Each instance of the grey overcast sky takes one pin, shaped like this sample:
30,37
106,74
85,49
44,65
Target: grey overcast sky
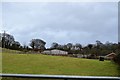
61,22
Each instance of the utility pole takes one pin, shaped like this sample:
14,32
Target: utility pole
4,38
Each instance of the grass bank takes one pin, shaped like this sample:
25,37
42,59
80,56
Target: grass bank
58,65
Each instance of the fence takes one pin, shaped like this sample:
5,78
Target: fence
63,77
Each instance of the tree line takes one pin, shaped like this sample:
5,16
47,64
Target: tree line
8,41
97,49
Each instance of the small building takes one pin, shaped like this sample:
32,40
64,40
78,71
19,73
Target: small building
110,56
55,52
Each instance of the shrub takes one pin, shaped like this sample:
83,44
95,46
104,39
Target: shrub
117,59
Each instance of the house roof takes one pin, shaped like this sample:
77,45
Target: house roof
111,54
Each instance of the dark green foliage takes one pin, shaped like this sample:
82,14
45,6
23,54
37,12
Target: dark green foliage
8,41
118,58
90,46
37,44
54,45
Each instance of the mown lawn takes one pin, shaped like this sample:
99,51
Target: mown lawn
58,65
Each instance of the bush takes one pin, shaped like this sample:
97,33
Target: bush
117,59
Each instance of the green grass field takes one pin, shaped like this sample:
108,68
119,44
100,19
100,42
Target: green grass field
58,65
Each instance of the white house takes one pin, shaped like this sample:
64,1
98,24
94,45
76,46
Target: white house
55,52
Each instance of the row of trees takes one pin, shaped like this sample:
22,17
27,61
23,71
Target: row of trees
99,48
8,41
66,47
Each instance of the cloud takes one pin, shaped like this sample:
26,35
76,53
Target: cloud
61,22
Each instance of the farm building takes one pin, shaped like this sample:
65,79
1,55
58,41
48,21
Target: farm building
55,52
110,56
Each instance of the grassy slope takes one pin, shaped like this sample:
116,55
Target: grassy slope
44,64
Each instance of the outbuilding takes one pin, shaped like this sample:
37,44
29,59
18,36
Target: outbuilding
110,56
